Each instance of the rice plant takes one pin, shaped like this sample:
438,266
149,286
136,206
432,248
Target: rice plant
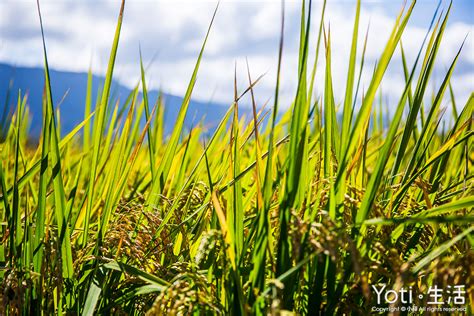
301,212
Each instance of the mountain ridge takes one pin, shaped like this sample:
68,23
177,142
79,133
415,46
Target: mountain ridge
69,92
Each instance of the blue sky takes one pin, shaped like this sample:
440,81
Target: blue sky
79,34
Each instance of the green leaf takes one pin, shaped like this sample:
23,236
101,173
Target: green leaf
440,250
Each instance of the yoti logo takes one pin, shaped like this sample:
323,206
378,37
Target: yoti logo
391,296
450,299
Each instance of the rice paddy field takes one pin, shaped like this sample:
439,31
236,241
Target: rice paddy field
306,208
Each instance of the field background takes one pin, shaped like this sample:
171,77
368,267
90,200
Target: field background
292,205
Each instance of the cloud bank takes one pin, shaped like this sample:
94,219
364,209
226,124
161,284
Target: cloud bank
170,33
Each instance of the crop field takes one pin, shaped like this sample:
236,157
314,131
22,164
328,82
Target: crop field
308,208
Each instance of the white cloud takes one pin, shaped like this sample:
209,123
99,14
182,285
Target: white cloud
80,32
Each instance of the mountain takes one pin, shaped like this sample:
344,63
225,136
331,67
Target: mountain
69,92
